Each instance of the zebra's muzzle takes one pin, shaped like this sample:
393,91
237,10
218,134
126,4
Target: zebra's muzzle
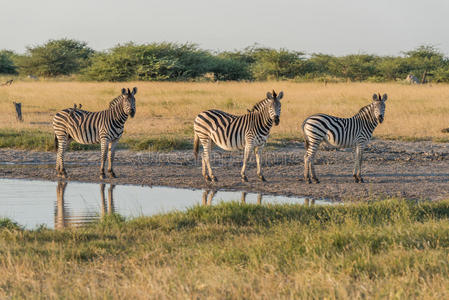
381,119
276,120
132,113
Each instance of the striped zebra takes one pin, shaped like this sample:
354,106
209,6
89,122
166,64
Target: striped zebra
85,127
249,132
342,133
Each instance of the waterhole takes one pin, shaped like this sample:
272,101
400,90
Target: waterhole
32,203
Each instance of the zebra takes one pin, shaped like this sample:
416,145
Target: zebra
412,79
342,133
85,127
249,132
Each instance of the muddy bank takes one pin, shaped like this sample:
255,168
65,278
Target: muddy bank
418,170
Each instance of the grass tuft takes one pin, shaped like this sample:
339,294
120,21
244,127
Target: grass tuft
389,249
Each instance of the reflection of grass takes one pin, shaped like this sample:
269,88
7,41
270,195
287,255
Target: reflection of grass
235,251
168,109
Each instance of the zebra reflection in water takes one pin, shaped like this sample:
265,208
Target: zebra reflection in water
208,195
309,202
64,220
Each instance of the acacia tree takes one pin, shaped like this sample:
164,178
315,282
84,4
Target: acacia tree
56,57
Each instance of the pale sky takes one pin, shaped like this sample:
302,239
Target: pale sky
384,27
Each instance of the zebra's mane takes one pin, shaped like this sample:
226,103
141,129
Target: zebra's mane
366,108
259,105
115,101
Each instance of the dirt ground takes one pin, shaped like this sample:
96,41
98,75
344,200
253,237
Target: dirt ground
417,170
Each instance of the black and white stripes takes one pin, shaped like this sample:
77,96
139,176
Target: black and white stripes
229,132
342,133
85,127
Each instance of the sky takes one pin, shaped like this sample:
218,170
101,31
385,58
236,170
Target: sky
382,27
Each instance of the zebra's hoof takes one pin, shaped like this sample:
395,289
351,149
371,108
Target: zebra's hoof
207,178
358,179
262,178
244,178
214,179
315,180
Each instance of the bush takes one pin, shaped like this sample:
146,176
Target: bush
7,65
276,64
231,66
56,57
165,61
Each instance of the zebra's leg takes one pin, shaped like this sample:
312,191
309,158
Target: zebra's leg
248,149
257,151
62,147
309,168
203,169
358,164
207,147
312,172
306,169
311,151
104,150
111,154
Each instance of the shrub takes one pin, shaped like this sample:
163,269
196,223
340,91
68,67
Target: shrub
165,61
56,57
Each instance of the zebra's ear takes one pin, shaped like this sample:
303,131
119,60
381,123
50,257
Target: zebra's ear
384,97
281,94
134,90
269,96
375,98
124,91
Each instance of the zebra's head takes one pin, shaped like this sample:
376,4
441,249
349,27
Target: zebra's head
274,106
129,102
379,106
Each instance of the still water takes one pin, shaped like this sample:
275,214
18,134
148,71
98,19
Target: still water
64,204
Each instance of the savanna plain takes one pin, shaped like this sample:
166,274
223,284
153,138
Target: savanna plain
393,243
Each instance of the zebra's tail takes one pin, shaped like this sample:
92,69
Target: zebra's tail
56,143
196,145
306,141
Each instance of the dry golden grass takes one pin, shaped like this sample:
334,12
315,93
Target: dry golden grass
412,113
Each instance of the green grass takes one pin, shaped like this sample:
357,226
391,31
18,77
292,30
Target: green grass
162,143
44,141
394,249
